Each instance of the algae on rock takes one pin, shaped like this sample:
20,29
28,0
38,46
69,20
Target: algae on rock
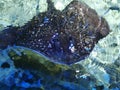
32,60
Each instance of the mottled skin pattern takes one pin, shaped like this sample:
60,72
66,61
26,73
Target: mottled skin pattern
64,36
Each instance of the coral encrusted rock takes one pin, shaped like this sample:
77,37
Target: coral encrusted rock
65,36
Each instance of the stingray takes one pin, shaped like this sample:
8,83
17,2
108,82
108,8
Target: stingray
66,36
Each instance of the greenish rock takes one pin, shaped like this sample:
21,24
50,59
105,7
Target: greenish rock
31,60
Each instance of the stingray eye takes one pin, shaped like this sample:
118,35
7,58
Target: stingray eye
70,38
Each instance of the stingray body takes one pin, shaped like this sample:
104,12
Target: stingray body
65,36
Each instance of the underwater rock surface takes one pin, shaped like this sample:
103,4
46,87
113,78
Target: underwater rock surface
65,36
102,63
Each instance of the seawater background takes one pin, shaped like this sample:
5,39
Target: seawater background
106,52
